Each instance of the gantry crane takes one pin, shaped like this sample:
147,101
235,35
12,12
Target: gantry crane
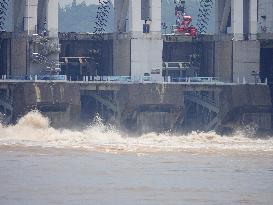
183,21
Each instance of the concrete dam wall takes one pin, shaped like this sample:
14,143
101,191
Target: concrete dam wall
144,107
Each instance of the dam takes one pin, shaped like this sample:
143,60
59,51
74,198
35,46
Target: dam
142,105
137,77
154,112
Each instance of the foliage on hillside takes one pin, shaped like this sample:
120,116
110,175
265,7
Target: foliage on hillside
81,18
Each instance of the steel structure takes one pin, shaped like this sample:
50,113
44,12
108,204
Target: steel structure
100,28
183,21
3,13
204,13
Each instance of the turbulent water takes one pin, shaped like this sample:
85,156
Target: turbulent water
34,130
102,165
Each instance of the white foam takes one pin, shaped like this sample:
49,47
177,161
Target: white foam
34,130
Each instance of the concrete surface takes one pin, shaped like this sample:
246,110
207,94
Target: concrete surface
160,105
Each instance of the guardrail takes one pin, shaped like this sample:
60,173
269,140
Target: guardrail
122,79
33,77
194,79
126,79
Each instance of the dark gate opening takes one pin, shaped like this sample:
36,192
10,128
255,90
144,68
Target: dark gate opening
267,64
266,72
3,57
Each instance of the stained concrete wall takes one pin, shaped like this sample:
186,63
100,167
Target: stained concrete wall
19,55
60,102
142,102
122,57
146,54
246,59
223,61
160,105
236,60
246,104
155,121
239,105
19,40
137,53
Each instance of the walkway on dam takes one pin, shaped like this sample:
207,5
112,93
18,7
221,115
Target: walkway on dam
121,80
115,82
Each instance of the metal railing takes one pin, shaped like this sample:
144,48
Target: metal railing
193,79
121,79
127,79
176,65
149,79
32,77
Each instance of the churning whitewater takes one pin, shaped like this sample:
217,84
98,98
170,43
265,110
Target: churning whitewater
34,130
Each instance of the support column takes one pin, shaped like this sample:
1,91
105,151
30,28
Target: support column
42,15
253,20
121,11
269,16
135,24
155,16
237,19
30,17
217,21
226,12
52,18
18,12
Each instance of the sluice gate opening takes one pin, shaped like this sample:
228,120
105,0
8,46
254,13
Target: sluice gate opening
202,110
99,104
266,64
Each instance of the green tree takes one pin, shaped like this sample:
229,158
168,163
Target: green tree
81,18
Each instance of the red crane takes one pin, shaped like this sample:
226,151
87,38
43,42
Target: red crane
183,21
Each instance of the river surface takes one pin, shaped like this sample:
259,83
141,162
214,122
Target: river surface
100,165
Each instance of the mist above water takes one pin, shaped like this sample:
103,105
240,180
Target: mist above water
34,130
